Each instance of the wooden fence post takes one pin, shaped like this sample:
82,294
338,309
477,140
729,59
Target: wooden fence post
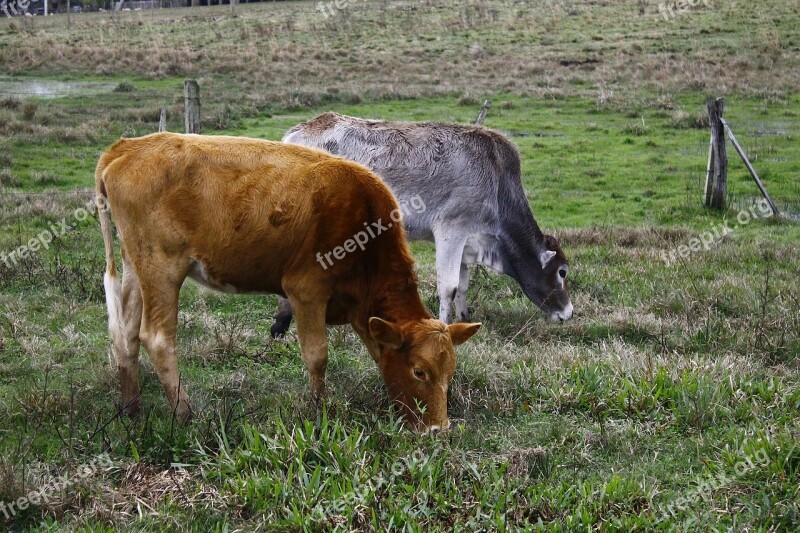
752,170
191,108
719,179
482,113
162,120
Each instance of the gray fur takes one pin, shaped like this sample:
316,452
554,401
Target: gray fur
476,211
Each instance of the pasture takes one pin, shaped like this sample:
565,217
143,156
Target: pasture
670,401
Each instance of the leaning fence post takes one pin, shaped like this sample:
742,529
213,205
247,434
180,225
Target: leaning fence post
752,170
191,95
482,113
720,156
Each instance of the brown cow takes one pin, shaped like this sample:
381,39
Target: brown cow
250,216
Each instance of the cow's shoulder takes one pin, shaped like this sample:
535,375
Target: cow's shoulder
319,124
490,139
489,146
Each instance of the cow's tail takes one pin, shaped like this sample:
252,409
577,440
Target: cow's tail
111,281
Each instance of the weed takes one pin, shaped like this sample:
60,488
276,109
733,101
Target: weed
7,178
29,110
45,179
10,102
125,87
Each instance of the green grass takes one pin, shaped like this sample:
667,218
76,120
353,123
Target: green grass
641,413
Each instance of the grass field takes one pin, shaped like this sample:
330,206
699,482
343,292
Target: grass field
670,402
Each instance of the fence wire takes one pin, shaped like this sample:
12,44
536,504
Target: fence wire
765,130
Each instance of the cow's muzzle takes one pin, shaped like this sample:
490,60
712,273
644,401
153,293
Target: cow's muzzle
563,315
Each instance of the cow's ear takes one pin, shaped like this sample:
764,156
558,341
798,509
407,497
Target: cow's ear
385,332
460,333
546,256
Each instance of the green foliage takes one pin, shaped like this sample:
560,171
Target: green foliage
125,86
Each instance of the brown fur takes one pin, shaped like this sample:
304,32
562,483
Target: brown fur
245,215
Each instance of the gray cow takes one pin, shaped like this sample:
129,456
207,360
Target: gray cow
475,209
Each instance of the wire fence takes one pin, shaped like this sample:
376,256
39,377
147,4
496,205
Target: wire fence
766,132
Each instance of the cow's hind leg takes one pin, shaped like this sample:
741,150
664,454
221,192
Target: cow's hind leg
462,315
158,332
127,355
282,319
449,250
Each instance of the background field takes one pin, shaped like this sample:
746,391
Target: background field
670,376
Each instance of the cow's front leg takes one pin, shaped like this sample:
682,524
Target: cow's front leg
313,336
449,250
462,314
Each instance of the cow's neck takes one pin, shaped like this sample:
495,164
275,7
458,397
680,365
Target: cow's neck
395,300
522,242
398,302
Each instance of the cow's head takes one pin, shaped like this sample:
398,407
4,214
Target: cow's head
417,361
550,291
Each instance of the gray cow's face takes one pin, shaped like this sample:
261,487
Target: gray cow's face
550,289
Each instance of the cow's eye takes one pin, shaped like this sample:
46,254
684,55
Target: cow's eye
563,273
420,374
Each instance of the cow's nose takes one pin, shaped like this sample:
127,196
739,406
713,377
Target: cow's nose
561,316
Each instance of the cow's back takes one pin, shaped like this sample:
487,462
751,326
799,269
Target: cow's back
247,210
458,170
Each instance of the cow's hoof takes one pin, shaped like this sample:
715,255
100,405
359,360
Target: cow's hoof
279,328
182,410
133,408
184,414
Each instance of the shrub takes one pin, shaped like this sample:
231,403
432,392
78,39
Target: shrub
124,87
681,120
10,102
7,179
701,121
29,109
43,179
637,128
